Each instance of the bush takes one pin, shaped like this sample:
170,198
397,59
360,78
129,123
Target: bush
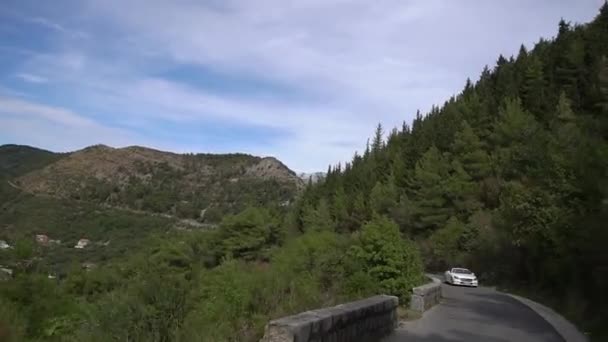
12,325
392,262
249,234
152,307
225,304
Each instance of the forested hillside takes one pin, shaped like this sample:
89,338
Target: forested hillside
510,177
17,160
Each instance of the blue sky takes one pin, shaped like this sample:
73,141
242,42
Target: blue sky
304,81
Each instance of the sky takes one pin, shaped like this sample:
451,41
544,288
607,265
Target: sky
305,81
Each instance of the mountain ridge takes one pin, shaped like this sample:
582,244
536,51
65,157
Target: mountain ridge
152,180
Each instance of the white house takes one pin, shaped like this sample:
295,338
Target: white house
82,243
4,245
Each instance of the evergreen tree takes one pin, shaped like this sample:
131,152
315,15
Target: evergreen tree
468,150
340,211
461,191
378,141
533,89
513,136
360,212
384,197
429,191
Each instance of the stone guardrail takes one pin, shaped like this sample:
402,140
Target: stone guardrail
426,296
361,321
568,331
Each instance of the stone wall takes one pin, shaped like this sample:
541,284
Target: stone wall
426,296
366,320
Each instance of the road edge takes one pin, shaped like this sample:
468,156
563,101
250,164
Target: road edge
568,331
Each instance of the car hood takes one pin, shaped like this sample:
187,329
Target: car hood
464,276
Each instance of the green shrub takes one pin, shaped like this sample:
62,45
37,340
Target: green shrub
249,235
391,261
12,324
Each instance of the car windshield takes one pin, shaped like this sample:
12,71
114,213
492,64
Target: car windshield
461,271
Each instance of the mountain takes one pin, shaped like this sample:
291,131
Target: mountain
120,197
145,179
17,159
313,177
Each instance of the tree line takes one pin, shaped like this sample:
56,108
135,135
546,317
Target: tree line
509,177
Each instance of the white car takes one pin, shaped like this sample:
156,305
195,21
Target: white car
460,276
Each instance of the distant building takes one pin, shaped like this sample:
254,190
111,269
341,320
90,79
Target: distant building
4,245
5,273
54,242
82,243
42,239
88,266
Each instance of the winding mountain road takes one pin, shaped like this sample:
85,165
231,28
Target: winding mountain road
476,314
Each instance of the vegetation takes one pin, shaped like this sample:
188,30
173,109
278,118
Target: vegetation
510,178
17,160
201,187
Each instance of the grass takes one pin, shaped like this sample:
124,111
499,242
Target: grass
407,314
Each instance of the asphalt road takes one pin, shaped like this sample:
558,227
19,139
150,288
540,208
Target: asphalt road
476,314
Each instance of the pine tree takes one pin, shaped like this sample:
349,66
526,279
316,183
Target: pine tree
516,136
400,170
360,212
384,197
506,84
567,138
378,141
533,89
569,63
461,191
429,193
340,211
468,150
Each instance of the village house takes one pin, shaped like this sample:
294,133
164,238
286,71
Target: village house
42,239
5,273
82,243
4,245
88,266
54,242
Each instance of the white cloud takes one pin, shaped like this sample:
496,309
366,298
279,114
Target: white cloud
56,27
369,62
56,128
31,78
